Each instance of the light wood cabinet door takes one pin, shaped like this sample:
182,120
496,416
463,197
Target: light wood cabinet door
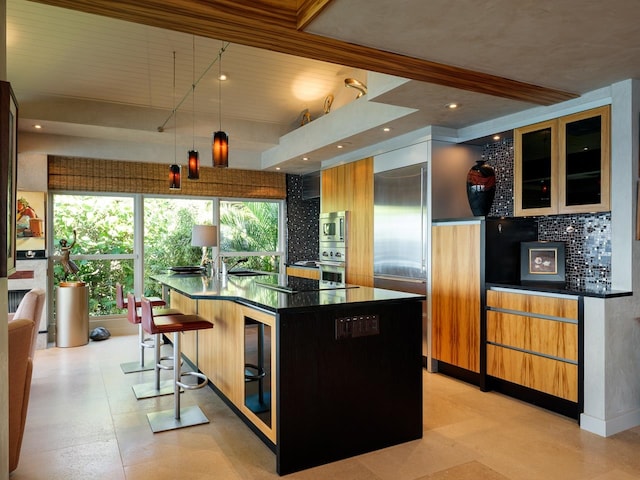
534,304
548,337
455,292
535,168
563,165
539,373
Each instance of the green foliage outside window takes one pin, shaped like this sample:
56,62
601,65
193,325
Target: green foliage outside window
105,226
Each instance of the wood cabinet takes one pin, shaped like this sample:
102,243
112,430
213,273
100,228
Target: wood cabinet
455,294
312,273
350,188
533,340
563,165
464,255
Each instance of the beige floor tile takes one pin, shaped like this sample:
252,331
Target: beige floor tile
467,471
84,422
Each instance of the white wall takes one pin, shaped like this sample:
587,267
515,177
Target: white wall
612,326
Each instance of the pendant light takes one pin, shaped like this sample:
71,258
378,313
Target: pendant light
220,144
174,177
174,170
194,162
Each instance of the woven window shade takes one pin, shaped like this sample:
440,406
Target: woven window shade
116,176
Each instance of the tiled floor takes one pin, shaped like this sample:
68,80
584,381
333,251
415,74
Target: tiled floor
85,423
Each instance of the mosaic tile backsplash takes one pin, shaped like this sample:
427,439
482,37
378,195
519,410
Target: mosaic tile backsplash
302,223
587,236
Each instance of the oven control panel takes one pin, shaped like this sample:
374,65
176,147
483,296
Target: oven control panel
357,326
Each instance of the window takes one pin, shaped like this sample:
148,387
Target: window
251,229
112,248
167,234
104,248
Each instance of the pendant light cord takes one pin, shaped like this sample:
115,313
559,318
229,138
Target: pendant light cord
220,88
186,95
175,120
193,95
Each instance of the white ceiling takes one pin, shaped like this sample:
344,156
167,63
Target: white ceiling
106,80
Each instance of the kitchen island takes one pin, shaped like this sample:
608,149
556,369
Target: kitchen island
318,374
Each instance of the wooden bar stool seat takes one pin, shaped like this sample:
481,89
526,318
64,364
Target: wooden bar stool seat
143,343
176,324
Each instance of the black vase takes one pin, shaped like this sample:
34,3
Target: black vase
481,188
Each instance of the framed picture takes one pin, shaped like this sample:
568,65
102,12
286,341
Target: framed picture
542,262
8,172
30,224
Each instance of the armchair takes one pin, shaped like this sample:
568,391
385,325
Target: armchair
30,308
20,370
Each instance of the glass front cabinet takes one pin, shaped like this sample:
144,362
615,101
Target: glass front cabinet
562,165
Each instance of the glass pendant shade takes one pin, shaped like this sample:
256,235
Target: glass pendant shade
194,165
220,149
174,177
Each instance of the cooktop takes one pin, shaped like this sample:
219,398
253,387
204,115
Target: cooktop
299,284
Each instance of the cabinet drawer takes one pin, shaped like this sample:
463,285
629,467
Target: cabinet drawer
313,274
534,304
539,373
549,337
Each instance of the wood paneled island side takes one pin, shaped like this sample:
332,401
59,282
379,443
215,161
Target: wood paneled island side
318,375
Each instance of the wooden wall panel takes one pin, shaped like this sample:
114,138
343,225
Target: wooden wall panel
350,187
455,270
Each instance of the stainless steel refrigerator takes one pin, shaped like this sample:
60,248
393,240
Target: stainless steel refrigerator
400,229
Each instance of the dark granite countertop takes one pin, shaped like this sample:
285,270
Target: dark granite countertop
563,289
248,291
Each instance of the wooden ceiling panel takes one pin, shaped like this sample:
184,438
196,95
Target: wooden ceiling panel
273,26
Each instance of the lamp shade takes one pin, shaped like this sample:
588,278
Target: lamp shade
204,236
220,149
194,165
174,177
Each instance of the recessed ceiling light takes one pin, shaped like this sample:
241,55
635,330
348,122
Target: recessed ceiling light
386,129
222,77
496,137
340,146
305,158
277,168
37,126
452,106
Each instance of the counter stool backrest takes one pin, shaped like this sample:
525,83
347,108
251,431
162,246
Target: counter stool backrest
120,297
132,314
146,311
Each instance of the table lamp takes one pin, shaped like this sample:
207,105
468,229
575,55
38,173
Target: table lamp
204,236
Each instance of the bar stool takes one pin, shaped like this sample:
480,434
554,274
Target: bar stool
176,324
121,302
156,388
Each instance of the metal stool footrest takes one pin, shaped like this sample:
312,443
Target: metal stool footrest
202,380
253,372
165,367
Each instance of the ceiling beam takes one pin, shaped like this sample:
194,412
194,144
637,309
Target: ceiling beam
308,10
272,25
